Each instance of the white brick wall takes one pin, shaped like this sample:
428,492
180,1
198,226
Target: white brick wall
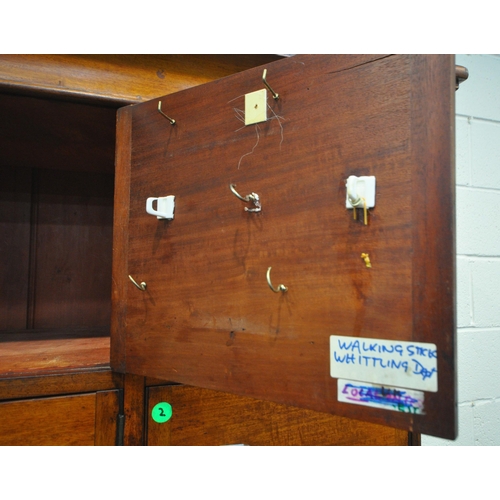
478,253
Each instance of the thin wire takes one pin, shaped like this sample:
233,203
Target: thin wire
253,149
278,118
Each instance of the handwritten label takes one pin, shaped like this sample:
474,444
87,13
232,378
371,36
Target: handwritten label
412,365
379,396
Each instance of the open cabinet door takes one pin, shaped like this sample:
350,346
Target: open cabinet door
253,273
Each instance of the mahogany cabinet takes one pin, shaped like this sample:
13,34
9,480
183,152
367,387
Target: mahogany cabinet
67,252
220,184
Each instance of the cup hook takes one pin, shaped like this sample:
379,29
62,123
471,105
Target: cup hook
281,288
141,286
275,95
171,120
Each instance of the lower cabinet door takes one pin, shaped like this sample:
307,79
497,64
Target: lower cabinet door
190,416
79,420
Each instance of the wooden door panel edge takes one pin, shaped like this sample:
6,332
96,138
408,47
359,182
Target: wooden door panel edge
201,417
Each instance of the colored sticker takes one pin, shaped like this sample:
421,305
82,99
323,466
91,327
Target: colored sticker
379,396
161,413
386,362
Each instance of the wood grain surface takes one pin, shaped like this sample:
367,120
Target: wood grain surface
73,420
201,417
62,421
118,78
44,356
208,317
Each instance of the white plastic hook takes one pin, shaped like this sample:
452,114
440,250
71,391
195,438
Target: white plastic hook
352,194
165,207
360,191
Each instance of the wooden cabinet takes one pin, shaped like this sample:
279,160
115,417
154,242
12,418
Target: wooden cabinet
64,282
348,335
79,420
57,143
56,177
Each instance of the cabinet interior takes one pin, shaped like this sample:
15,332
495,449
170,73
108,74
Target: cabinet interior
57,160
56,217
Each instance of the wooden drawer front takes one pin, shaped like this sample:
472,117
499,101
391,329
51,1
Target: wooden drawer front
202,417
81,420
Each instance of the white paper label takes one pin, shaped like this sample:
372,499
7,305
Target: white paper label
396,363
379,396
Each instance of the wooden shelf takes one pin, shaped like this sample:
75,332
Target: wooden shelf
28,357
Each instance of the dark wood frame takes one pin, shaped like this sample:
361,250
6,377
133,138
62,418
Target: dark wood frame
109,82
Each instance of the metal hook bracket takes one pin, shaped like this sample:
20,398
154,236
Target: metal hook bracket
141,286
281,287
171,120
275,95
252,197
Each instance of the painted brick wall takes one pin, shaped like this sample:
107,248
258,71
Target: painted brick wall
478,253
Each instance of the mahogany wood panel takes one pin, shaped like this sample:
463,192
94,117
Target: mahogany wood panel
15,214
73,249
107,408
48,133
208,317
120,239
202,417
39,384
80,420
118,78
57,223
433,236
59,421
56,238
39,357
134,394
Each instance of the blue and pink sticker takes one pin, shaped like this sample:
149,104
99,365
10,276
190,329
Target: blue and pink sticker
380,396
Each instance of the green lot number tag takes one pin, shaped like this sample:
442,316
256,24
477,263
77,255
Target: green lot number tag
161,413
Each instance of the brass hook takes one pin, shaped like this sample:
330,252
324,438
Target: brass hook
281,288
253,197
171,120
142,286
275,95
